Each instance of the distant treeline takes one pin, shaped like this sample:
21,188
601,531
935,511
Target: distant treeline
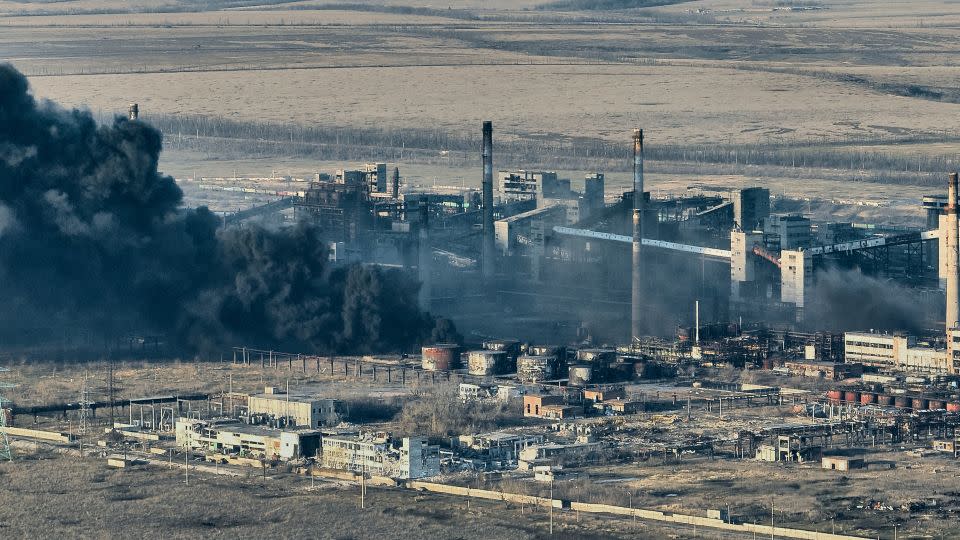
590,5
849,156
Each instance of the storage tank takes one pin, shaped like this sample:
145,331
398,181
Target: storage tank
920,404
484,362
885,399
851,396
536,368
509,346
953,406
868,398
580,374
587,356
903,402
440,357
834,396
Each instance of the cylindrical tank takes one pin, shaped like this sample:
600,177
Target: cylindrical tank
937,405
902,401
953,406
536,368
484,362
440,357
851,396
885,399
868,398
919,403
586,356
834,396
580,374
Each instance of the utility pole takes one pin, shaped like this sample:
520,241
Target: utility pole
551,504
363,485
772,527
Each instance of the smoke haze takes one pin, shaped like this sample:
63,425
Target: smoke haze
850,300
93,237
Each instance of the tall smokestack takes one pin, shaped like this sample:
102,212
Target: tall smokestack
424,256
952,257
133,112
487,240
396,182
636,299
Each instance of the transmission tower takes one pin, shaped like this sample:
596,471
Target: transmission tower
5,452
85,411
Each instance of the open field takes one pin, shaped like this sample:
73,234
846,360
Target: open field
146,502
871,77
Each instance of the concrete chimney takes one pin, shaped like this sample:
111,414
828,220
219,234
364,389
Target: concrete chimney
636,298
952,257
487,241
424,256
396,182
133,112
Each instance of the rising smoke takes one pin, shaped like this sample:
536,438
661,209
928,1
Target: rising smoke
849,300
92,237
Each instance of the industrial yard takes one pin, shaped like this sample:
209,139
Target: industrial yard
576,269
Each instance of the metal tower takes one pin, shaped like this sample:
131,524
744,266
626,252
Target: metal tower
85,412
5,452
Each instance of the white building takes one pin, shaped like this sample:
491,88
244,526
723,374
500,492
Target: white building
895,352
233,438
381,455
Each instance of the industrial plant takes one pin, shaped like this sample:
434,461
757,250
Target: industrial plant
475,323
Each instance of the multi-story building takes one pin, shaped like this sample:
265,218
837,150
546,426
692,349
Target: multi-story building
530,185
381,455
792,229
879,350
292,410
751,206
900,353
231,437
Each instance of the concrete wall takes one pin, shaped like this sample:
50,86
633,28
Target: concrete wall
38,434
654,515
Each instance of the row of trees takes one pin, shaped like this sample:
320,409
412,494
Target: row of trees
853,157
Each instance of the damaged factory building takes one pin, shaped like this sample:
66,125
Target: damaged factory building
380,454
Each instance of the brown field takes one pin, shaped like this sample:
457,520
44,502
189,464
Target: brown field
49,496
878,75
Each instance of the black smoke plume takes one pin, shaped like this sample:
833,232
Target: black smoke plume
92,237
849,300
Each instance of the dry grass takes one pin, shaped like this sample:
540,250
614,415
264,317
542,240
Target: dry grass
74,498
